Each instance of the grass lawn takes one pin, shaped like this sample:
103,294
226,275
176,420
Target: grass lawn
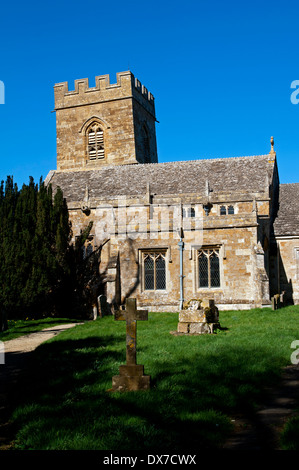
17,328
198,383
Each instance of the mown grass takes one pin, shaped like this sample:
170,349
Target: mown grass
17,328
290,434
198,383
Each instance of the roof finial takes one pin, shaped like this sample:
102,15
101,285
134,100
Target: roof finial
272,144
272,153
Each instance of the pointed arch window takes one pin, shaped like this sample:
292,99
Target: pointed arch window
208,268
95,142
154,270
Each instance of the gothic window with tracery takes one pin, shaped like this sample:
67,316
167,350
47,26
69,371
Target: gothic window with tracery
154,269
208,268
95,142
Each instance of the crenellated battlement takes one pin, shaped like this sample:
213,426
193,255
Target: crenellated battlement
126,86
143,90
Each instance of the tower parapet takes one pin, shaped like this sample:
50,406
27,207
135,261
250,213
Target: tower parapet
126,86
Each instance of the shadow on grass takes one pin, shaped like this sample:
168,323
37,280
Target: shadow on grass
72,363
190,401
65,403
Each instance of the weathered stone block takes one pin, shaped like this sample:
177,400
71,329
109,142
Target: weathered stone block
199,328
208,303
131,370
125,383
183,327
192,316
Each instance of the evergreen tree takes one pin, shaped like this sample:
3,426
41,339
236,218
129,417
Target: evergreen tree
24,229
8,276
41,271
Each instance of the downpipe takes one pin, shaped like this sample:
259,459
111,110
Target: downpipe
181,248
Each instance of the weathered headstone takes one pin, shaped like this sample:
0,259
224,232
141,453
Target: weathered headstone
94,312
275,301
283,298
131,375
103,306
200,317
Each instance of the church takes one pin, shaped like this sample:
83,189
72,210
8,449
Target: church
222,229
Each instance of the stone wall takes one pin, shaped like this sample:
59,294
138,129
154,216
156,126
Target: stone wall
244,281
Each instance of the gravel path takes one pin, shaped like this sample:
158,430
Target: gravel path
17,353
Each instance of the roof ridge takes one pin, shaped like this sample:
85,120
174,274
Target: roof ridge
217,159
205,159
176,162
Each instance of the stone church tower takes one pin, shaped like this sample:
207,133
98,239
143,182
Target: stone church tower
109,124
173,231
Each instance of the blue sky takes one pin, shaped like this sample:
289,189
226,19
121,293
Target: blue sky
220,72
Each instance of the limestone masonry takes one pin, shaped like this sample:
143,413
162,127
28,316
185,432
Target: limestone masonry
220,229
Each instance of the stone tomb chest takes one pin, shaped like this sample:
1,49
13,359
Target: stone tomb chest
198,317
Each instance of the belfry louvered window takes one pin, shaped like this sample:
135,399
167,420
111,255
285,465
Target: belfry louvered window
154,270
95,142
208,268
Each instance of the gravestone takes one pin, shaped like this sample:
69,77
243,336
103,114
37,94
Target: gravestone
103,306
131,375
94,312
199,317
275,302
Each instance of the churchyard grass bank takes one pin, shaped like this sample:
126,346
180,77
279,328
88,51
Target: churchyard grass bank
198,383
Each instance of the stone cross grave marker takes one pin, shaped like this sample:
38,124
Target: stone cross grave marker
131,376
